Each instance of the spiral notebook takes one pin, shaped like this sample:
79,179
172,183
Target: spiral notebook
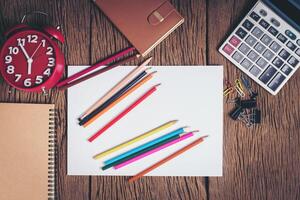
27,151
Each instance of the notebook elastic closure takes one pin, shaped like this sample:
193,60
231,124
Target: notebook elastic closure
160,14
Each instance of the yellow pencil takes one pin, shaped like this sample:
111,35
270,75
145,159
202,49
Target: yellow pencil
136,139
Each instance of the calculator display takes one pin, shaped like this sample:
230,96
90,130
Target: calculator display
288,10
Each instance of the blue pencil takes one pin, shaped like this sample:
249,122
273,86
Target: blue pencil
146,145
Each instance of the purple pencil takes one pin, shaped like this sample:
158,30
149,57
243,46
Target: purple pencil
183,137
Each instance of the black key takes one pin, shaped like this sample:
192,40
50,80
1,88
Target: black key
290,34
286,69
276,82
284,54
267,75
282,38
273,31
264,24
255,71
255,16
293,61
277,62
291,46
247,25
241,33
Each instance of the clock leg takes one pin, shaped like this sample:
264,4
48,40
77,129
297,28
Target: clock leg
11,89
45,93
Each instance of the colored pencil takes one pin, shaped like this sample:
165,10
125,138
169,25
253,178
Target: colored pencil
136,139
95,66
152,151
127,93
125,112
140,152
146,145
113,98
117,87
168,158
100,71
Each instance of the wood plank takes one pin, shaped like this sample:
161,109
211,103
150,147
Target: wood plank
259,162
185,46
76,28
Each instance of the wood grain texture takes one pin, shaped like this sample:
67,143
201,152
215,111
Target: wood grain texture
259,163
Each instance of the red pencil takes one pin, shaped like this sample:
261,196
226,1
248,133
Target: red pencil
95,66
122,114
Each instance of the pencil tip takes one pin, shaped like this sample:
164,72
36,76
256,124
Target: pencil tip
195,131
157,85
205,136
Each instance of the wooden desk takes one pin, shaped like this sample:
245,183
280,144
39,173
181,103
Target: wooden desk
259,163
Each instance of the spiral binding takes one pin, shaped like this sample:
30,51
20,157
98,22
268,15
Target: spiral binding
52,150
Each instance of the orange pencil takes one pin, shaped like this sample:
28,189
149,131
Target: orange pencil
170,157
117,87
135,87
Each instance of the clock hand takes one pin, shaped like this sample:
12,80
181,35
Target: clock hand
36,50
29,65
24,51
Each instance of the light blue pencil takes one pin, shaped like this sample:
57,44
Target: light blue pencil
146,145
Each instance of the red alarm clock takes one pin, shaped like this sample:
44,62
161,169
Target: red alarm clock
30,59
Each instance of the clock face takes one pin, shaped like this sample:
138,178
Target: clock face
28,59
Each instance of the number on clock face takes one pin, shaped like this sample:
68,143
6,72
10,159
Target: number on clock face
29,60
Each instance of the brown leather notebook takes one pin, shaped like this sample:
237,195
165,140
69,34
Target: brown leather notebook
27,157
145,23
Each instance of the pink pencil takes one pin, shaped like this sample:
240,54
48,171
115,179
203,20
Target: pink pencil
183,137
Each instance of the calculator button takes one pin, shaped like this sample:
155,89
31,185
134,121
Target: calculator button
290,34
282,38
266,40
264,24
268,74
234,41
253,56
247,25
291,46
262,63
286,69
274,84
268,54
228,49
298,42
275,46
263,12
275,22
293,61
255,71
284,54
259,47
298,52
250,40
241,33
237,57
255,16
244,48
257,32
273,31
277,62
246,63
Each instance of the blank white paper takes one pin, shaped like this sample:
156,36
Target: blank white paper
191,94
